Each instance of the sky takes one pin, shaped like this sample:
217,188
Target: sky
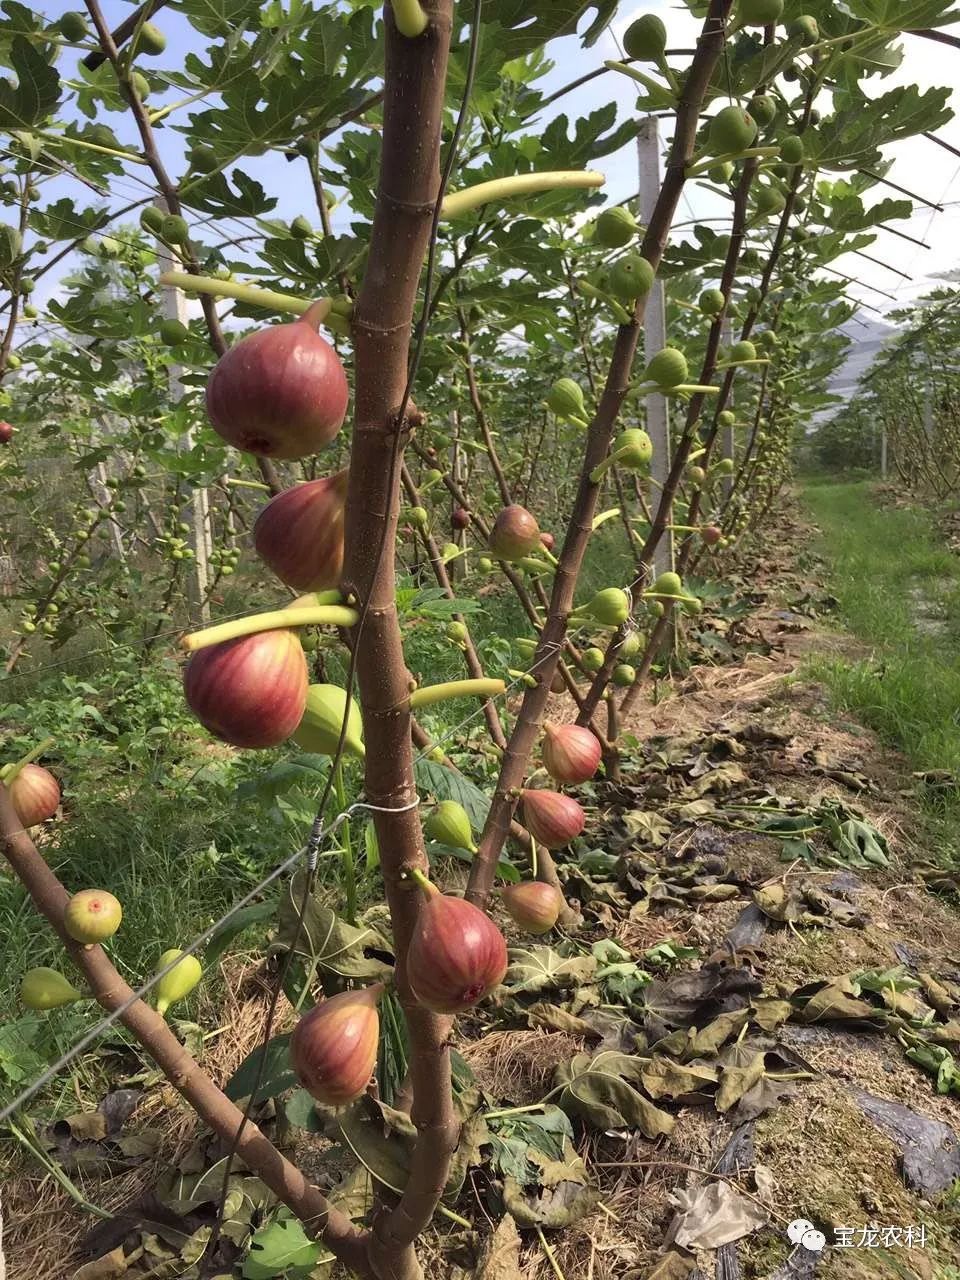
919,164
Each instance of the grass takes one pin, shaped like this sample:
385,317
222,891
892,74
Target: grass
899,593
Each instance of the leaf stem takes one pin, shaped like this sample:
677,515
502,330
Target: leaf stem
10,771
275,620
269,299
519,184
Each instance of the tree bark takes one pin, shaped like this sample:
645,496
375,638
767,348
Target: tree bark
382,327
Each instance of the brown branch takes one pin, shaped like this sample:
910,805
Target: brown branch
409,183
580,528
124,31
212,1106
471,661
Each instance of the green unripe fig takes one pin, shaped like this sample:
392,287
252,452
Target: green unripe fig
73,27
770,200
179,982
741,351
28,627
646,38
726,418
693,605
615,228
631,277
631,645
623,675
319,730
724,467
668,368
526,646
485,564
592,659
759,13
203,158
721,173
13,361
300,228
173,332
668,584
140,85
731,130
712,302
29,312
174,229
27,286
750,258
456,631
609,607
91,916
151,220
655,608
806,27
791,150
565,399
763,108
696,475
815,116
449,824
633,449
152,40
44,988
419,517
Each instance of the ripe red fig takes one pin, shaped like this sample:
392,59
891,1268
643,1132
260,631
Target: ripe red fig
279,393
460,517
299,533
571,753
35,794
333,1048
515,534
548,540
250,692
533,906
457,955
6,431
551,818
711,534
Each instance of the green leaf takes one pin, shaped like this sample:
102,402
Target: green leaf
37,90
447,784
540,968
278,1075
252,914
326,940
281,1249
